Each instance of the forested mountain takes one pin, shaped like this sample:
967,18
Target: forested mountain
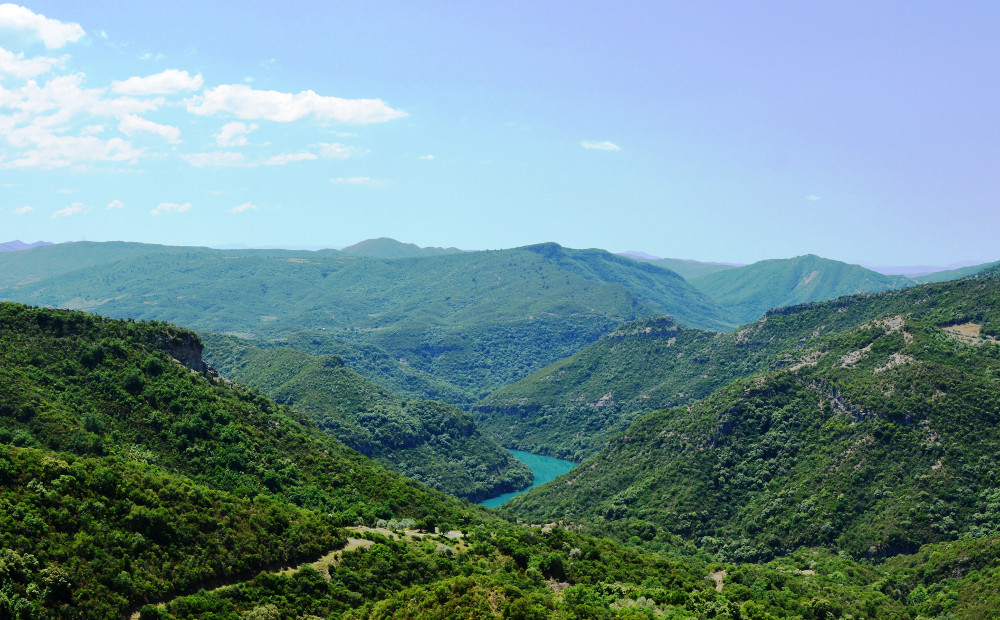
749,291
872,435
433,442
384,247
129,475
451,327
572,407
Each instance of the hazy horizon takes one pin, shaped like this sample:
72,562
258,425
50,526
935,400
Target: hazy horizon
859,132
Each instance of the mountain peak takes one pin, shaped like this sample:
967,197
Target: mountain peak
385,247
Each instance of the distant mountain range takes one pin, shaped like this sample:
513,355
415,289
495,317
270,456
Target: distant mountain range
17,245
450,327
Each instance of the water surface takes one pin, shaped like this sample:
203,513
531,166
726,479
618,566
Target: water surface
545,468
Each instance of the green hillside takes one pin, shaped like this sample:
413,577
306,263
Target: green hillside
130,478
384,247
749,291
133,481
435,443
572,407
451,327
113,450
871,440
955,274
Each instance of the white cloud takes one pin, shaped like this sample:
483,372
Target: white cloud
114,204
73,209
170,207
23,210
166,82
131,124
246,103
46,150
52,32
600,146
215,158
360,181
91,130
62,97
246,206
340,151
20,67
65,190
428,157
287,158
234,134
812,198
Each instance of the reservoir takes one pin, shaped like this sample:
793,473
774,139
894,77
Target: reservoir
545,468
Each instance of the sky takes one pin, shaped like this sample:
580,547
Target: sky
720,131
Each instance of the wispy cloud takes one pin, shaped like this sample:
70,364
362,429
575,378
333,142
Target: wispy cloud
336,150
246,206
47,150
600,146
23,210
426,157
74,209
360,181
287,158
812,198
65,190
170,207
234,134
53,33
114,204
132,124
215,158
250,104
167,82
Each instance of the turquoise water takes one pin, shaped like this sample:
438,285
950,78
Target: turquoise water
545,469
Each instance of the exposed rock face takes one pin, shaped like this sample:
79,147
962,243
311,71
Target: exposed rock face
187,349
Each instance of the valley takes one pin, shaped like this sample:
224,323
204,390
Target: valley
828,458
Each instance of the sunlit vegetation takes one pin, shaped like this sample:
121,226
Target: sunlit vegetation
433,442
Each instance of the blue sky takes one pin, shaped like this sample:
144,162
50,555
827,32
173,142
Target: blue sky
717,131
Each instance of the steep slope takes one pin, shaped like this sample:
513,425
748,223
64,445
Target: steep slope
467,322
172,482
116,450
749,291
572,407
435,443
384,247
872,440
